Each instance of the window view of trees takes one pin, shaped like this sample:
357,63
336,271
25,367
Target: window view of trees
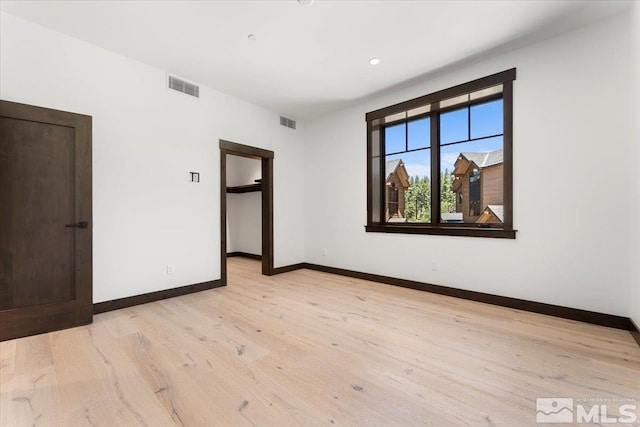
408,169
448,197
471,174
418,197
442,163
472,137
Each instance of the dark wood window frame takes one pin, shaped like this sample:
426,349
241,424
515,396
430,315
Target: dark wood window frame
375,128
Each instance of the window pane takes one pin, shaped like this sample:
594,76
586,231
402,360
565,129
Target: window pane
374,167
486,92
454,126
454,101
375,188
395,117
419,133
471,182
395,138
375,141
408,174
486,119
420,110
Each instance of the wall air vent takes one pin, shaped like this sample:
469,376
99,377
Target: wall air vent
184,87
290,123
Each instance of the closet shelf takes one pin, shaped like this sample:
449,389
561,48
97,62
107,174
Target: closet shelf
244,188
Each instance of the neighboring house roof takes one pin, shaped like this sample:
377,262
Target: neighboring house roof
485,160
481,160
497,210
397,219
396,166
452,217
390,167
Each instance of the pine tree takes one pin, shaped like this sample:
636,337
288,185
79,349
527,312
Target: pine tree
447,196
418,199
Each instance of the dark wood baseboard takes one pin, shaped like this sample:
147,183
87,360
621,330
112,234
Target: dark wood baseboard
244,254
602,319
288,268
635,331
117,304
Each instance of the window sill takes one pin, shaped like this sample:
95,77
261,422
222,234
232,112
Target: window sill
496,233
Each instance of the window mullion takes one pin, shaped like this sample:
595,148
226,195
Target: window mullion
469,123
369,174
507,180
435,165
383,175
406,136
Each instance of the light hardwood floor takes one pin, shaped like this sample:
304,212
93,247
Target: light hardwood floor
310,348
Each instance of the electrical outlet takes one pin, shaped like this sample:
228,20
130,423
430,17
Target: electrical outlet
434,265
171,268
324,251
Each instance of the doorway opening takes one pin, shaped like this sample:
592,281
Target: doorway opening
264,186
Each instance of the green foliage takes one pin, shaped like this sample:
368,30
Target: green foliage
418,200
447,196
418,197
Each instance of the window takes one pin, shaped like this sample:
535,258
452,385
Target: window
393,201
442,163
474,193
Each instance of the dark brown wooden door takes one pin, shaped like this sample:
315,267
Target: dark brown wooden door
45,220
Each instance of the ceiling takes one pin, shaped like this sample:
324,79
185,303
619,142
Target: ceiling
306,61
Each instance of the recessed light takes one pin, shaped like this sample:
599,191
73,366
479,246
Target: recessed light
374,61
305,2
252,37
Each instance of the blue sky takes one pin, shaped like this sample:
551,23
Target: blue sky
486,119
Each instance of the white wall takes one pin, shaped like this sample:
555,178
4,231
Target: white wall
146,139
634,301
242,170
573,146
572,204
244,211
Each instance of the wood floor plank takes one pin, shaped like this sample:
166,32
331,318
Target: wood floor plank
310,348
7,375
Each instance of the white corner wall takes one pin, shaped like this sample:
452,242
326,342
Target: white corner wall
146,139
577,191
634,301
572,204
244,210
